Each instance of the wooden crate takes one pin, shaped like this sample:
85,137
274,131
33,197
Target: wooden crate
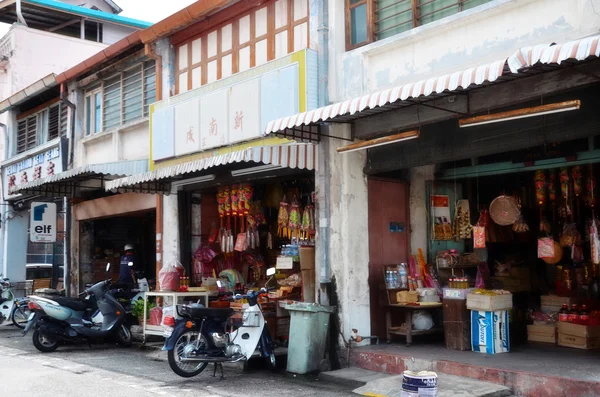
489,303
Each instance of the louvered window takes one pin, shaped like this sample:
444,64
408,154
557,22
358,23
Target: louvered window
125,97
53,122
26,134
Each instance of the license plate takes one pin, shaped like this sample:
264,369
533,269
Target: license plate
31,315
168,331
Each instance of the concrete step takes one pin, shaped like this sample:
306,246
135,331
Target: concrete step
378,384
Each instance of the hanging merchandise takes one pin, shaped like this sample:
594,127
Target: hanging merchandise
440,210
577,180
234,200
540,187
545,226
546,248
479,235
569,236
552,186
227,201
462,221
595,242
295,219
504,210
308,221
248,190
282,219
520,226
590,188
241,242
221,203
564,182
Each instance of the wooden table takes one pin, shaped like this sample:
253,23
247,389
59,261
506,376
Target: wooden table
408,311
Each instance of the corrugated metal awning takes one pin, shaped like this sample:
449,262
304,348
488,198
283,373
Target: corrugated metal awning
409,94
302,156
87,177
28,92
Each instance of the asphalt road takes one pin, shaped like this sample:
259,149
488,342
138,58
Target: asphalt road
107,370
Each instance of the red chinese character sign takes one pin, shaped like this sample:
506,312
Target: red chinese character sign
214,122
187,127
244,111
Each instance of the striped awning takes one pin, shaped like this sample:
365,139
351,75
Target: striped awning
302,156
367,105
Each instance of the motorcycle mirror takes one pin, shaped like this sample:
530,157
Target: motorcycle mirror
130,264
107,267
219,284
271,271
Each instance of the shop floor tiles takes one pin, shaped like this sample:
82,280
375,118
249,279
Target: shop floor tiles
530,370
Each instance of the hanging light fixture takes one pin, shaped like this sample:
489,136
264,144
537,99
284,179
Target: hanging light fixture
520,113
386,140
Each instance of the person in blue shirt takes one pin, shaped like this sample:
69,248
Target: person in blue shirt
127,272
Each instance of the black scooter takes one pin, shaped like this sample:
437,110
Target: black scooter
65,320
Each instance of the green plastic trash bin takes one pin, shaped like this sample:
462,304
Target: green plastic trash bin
308,336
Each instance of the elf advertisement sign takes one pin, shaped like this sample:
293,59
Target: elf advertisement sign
42,225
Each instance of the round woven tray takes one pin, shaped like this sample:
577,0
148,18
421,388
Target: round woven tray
504,210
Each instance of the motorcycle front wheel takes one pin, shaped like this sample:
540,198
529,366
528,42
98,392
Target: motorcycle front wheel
187,342
44,343
20,316
124,336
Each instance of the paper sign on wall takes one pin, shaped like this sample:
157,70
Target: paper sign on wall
440,210
285,262
187,127
42,226
213,116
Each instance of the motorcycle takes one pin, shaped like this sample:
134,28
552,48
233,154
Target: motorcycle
12,310
200,337
65,320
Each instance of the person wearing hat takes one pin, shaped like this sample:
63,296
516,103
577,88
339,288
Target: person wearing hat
128,266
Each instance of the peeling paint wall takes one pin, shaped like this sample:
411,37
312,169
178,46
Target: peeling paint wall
349,240
418,207
477,36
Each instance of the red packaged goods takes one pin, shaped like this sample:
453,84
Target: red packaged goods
155,316
168,278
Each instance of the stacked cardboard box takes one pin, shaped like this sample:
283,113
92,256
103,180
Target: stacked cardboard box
541,333
578,336
553,303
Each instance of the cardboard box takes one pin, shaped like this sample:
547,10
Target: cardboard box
552,303
490,332
578,336
541,333
489,303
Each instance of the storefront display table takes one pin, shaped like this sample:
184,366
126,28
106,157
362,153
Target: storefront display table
175,297
408,312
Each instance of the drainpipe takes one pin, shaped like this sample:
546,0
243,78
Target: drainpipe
323,182
149,51
66,203
20,14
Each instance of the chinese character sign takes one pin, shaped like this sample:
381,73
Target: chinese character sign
244,111
215,124
187,127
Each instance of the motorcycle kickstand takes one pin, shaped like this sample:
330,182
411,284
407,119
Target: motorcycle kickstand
214,375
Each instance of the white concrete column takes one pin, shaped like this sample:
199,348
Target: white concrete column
348,229
170,230
418,207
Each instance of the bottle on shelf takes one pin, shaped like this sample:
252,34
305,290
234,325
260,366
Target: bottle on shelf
563,313
451,282
573,313
584,315
403,281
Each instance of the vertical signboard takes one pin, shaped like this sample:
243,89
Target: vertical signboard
213,116
42,225
163,123
187,127
244,111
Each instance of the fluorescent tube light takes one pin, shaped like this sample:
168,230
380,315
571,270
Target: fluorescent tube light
386,140
175,186
255,170
520,113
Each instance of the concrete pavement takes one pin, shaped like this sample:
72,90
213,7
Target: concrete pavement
109,370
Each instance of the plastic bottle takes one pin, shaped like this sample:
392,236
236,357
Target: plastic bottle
573,313
403,276
584,315
563,313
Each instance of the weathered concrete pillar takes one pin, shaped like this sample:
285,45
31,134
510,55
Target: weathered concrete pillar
170,230
418,207
348,233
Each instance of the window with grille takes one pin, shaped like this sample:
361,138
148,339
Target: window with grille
371,20
121,99
43,126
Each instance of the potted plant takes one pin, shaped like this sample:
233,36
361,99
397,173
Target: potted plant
138,310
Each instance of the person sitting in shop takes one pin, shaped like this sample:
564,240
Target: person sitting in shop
127,272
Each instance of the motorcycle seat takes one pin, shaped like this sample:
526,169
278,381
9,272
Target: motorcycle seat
73,304
198,312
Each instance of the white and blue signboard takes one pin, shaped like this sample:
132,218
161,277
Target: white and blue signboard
42,226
